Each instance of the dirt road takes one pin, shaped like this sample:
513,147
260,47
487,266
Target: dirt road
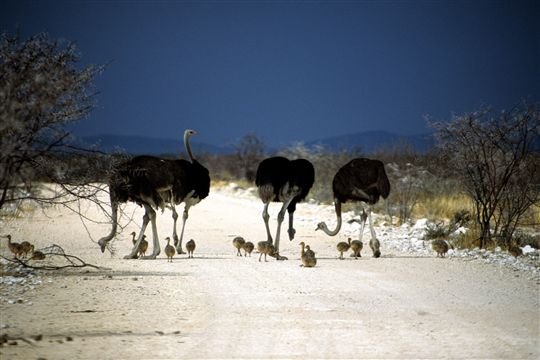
219,305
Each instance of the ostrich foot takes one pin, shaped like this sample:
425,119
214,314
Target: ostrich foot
130,256
180,252
291,233
279,257
150,257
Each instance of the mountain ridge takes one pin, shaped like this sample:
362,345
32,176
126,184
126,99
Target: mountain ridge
367,141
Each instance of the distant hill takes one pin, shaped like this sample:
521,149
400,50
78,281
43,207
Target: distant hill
364,141
138,145
370,141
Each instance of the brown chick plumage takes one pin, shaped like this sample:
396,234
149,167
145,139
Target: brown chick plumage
169,250
248,248
343,247
266,248
356,248
238,242
190,247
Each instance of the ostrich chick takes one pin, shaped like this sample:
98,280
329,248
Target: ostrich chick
38,255
169,249
248,248
515,250
133,234
190,247
238,242
15,248
266,248
440,246
26,248
307,256
356,247
310,260
143,246
343,247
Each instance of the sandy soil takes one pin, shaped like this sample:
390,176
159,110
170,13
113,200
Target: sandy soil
219,305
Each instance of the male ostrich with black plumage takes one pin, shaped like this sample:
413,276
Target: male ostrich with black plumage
281,180
360,180
156,183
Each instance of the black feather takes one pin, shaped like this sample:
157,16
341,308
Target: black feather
362,174
278,172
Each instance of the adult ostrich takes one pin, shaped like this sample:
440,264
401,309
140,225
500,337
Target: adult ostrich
156,183
281,180
360,180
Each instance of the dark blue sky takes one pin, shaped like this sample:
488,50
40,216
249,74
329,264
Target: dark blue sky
292,70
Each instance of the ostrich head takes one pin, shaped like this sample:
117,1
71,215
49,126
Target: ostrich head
322,226
102,244
189,133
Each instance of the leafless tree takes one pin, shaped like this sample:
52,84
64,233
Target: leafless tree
249,152
523,191
42,89
490,153
409,182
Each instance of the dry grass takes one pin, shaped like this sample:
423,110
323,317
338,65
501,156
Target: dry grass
442,207
470,239
532,218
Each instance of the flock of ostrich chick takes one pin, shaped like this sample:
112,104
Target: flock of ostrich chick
156,183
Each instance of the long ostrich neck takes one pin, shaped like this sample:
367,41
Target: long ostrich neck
188,147
337,205
302,249
114,217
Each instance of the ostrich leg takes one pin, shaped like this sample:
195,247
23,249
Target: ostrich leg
184,218
157,249
114,216
373,235
280,218
373,243
175,219
135,250
266,217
